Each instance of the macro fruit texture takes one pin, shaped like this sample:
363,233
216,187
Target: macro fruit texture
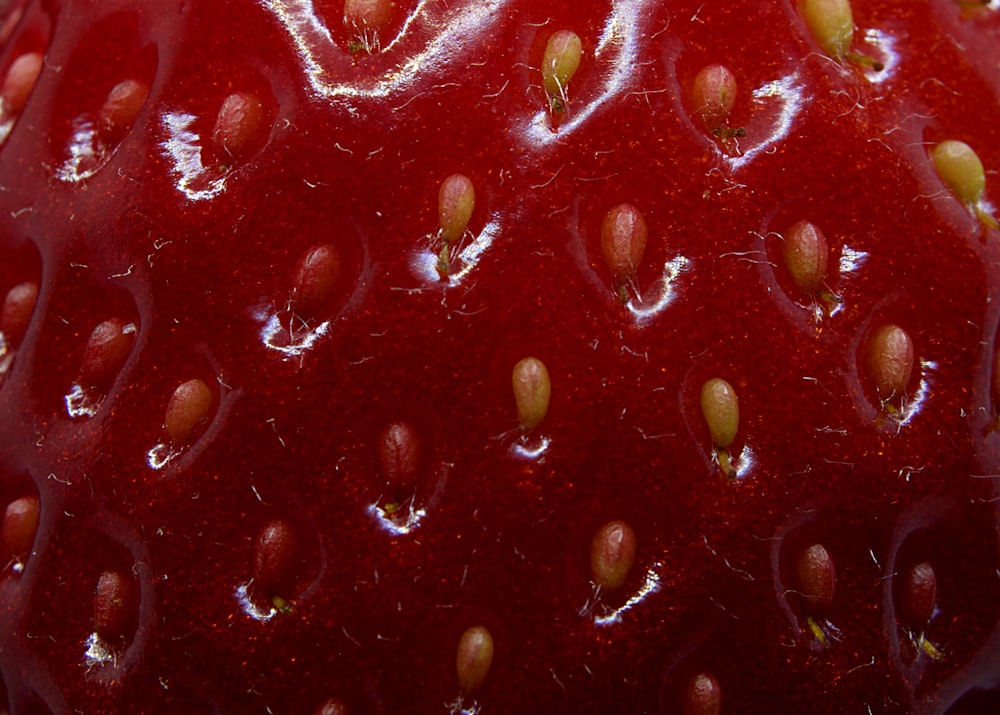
602,356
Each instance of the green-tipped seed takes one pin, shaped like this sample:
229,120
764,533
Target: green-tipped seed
917,596
115,605
831,22
188,407
714,95
316,275
612,553
721,410
559,63
890,360
20,79
238,126
120,109
106,352
456,201
961,169
532,389
15,315
623,241
20,524
702,696
806,253
815,580
473,658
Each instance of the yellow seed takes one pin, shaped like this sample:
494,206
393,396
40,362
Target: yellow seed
474,658
960,168
721,410
456,201
559,64
532,390
832,24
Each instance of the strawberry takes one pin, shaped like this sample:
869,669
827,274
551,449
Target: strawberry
567,357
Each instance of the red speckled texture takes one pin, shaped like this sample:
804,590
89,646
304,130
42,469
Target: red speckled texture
202,259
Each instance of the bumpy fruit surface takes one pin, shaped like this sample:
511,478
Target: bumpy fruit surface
579,356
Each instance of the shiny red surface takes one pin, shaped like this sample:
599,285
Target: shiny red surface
203,260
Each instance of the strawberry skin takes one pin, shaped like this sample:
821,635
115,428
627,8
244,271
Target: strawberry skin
583,357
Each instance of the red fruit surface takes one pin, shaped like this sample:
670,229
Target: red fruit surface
299,474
